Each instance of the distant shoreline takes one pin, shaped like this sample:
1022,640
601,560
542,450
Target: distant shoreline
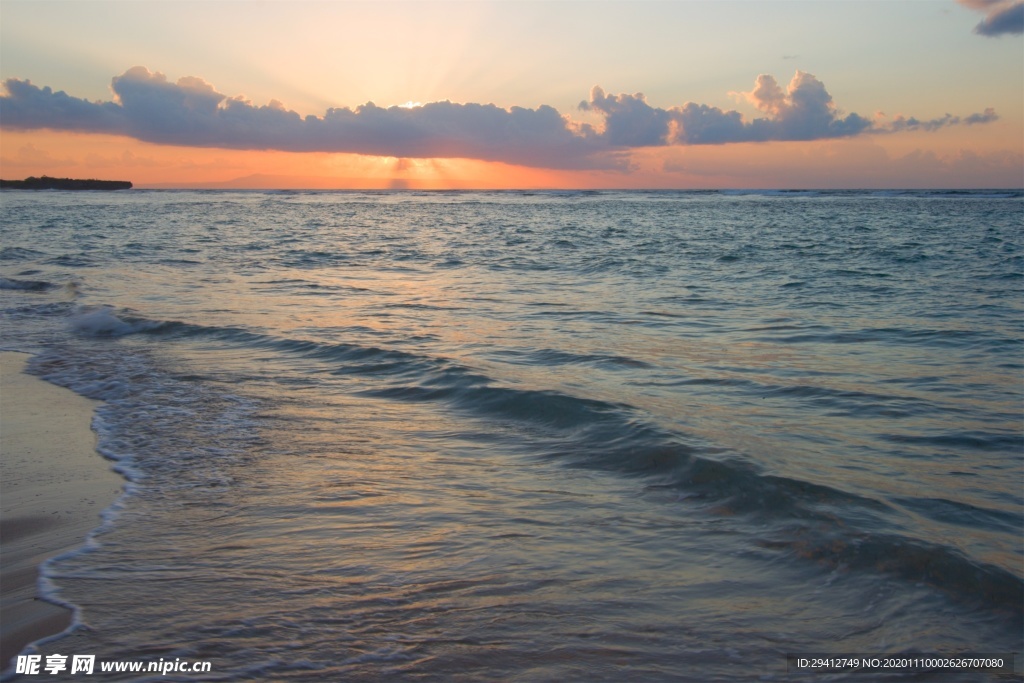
47,183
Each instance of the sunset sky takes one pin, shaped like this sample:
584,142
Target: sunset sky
524,94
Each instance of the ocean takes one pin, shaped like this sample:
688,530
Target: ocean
536,436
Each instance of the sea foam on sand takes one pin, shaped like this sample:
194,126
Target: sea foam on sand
53,488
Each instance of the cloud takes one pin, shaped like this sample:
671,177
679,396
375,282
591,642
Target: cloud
804,111
192,113
988,116
629,120
1001,16
42,108
902,123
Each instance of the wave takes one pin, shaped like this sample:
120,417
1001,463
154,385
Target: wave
551,357
71,261
954,338
26,285
101,321
963,514
944,568
964,440
19,254
803,519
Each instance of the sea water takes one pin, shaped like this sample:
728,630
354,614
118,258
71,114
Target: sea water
482,436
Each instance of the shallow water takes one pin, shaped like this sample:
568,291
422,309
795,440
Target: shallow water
536,436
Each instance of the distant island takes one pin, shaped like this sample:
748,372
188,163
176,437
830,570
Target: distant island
48,183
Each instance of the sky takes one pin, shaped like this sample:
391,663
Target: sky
515,94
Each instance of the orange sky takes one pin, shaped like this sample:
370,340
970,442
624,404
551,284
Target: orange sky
870,162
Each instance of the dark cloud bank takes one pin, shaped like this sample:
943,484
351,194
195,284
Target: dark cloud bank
192,113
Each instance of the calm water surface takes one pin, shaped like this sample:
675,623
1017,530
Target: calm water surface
536,436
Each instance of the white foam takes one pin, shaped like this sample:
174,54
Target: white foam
100,321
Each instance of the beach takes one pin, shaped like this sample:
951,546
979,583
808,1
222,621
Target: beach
53,486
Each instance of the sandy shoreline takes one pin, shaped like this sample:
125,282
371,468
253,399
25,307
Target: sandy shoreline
53,487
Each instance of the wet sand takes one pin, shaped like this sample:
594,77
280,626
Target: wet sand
53,487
